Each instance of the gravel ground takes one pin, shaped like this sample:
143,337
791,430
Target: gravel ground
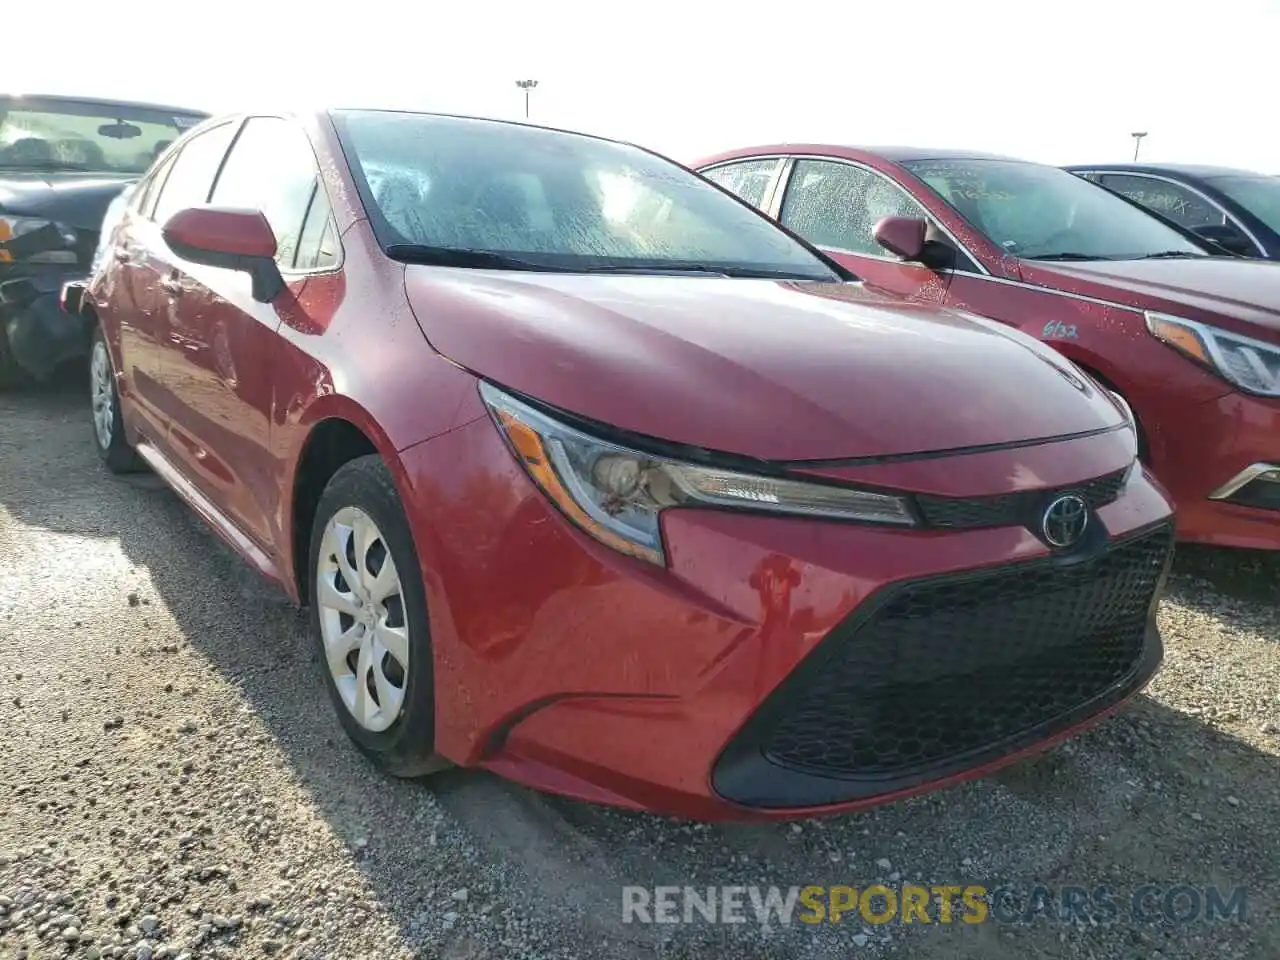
173,782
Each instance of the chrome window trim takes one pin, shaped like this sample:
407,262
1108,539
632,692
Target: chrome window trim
1226,214
1243,479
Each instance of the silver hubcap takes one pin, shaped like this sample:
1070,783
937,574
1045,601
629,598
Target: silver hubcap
362,619
100,392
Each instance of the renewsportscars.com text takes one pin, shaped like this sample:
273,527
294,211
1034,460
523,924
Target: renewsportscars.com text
932,903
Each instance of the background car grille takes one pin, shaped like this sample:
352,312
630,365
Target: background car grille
1014,509
948,667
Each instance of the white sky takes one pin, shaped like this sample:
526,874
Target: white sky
1049,81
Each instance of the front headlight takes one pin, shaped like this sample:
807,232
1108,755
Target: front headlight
1250,364
616,494
1125,409
32,240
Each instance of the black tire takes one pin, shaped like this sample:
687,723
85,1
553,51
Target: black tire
407,747
117,453
11,374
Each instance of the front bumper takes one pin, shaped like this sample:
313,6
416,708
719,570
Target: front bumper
934,677
1215,467
570,668
41,336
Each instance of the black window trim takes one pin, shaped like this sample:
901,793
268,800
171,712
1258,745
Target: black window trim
784,184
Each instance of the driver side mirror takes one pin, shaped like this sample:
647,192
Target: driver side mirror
908,238
230,238
1227,237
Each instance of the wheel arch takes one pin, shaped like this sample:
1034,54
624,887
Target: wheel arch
337,431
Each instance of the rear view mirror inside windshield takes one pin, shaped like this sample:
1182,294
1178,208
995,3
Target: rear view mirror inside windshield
119,130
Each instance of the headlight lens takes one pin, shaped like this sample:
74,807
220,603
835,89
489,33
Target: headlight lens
52,248
1250,364
616,494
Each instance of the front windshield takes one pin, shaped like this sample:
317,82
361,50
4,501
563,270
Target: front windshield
1042,212
1259,195
556,200
71,135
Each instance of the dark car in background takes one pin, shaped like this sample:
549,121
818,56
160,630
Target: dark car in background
1239,209
62,161
1187,333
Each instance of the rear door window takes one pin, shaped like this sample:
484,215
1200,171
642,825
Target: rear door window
192,173
1176,203
748,179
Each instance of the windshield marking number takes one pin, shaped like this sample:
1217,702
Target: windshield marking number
1056,329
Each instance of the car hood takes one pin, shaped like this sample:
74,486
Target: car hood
761,368
79,200
1241,295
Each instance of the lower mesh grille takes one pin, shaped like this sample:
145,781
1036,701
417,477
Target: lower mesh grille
950,667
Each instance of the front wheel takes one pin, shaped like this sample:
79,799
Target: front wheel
369,620
108,423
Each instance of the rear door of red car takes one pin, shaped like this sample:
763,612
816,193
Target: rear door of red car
148,335
130,302
223,382
835,205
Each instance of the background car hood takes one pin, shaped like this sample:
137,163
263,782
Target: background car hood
762,368
1240,295
79,200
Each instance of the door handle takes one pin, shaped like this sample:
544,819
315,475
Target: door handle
171,286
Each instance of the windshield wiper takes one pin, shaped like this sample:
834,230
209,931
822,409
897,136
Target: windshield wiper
700,269
489,260
1171,255
462,257
1065,255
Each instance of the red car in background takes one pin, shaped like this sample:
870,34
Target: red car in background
1190,340
594,477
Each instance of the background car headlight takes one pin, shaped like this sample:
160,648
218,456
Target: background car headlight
1125,409
32,240
616,494
1250,364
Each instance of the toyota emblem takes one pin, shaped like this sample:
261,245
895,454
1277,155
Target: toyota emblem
1065,520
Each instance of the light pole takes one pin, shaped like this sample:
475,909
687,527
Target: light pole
1137,142
526,86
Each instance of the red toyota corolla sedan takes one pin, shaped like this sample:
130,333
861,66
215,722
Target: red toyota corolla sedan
594,477
1191,341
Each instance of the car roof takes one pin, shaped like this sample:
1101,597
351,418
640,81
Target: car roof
894,154
907,154
328,111
1202,170
99,101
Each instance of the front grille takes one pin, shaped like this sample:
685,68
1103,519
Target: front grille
1014,509
956,666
